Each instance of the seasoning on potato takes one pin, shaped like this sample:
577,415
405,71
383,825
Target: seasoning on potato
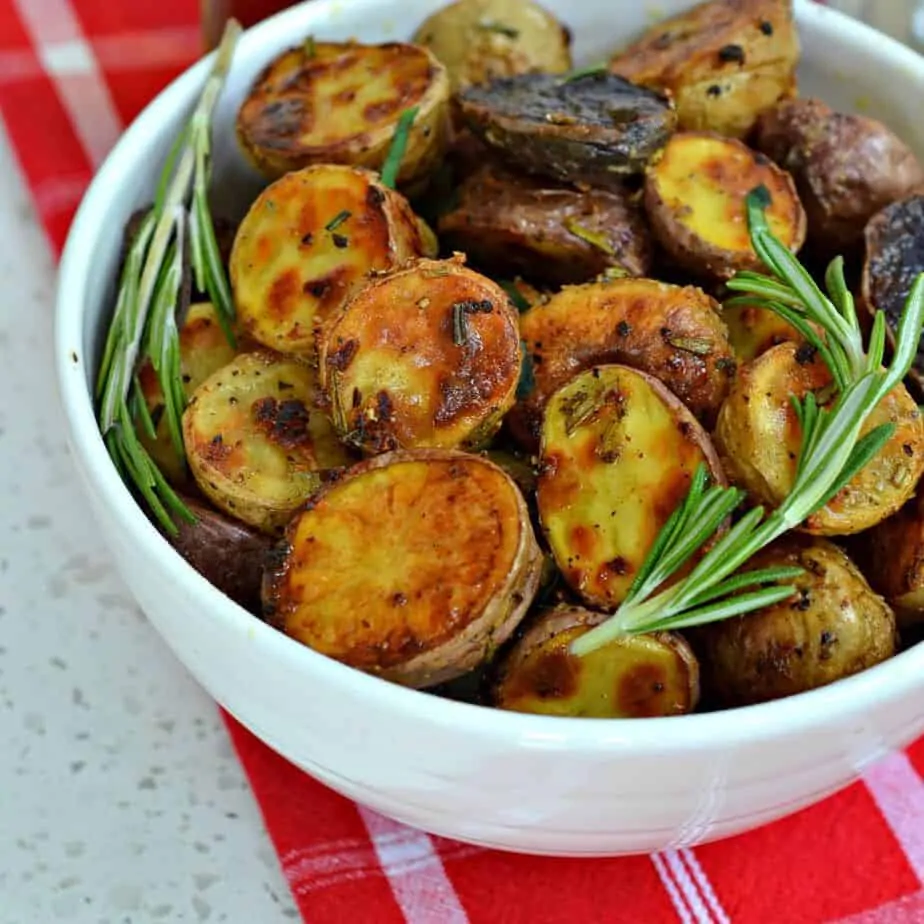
695,199
308,241
258,440
340,103
618,454
428,356
507,222
758,437
479,40
415,566
724,62
595,128
641,676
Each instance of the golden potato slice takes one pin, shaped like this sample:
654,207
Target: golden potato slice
752,330
307,243
428,356
695,199
758,438
340,103
833,626
479,40
257,439
724,61
674,333
415,566
642,676
617,456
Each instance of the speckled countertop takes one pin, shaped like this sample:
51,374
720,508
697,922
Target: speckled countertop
121,800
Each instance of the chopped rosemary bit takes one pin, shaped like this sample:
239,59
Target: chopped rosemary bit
696,345
392,164
594,70
579,408
460,313
527,380
338,220
594,238
515,295
500,28
310,48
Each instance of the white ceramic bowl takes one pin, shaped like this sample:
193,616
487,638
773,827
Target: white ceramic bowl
529,783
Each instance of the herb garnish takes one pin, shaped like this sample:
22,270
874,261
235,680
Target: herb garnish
338,220
832,452
460,312
500,28
310,48
593,70
392,163
595,238
516,297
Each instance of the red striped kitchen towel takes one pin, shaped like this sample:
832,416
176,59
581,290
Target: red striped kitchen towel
72,74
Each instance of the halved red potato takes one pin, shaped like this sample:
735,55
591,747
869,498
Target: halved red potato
258,440
308,242
427,356
753,329
617,457
641,676
415,566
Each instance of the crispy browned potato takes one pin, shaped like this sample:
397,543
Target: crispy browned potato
478,40
617,456
846,168
308,242
725,62
642,676
671,332
753,329
415,567
695,199
758,438
511,223
258,440
340,103
594,129
832,627
428,356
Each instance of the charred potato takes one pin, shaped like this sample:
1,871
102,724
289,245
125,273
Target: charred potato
641,676
671,332
617,456
479,40
724,62
257,439
414,566
832,627
340,103
595,129
846,168
506,222
753,329
695,199
758,438
307,243
428,356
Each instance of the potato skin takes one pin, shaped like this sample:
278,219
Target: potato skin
428,356
642,676
846,168
479,40
310,240
758,437
507,222
832,627
724,62
695,200
674,333
415,567
339,103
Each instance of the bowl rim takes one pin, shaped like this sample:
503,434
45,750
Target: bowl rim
894,679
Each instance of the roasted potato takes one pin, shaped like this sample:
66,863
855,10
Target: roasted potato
428,356
479,40
695,199
753,329
758,438
415,567
308,242
641,676
507,222
617,456
832,627
595,129
340,103
846,168
258,440
671,332
724,62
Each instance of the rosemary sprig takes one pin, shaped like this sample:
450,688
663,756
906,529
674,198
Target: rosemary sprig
392,163
178,227
832,452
